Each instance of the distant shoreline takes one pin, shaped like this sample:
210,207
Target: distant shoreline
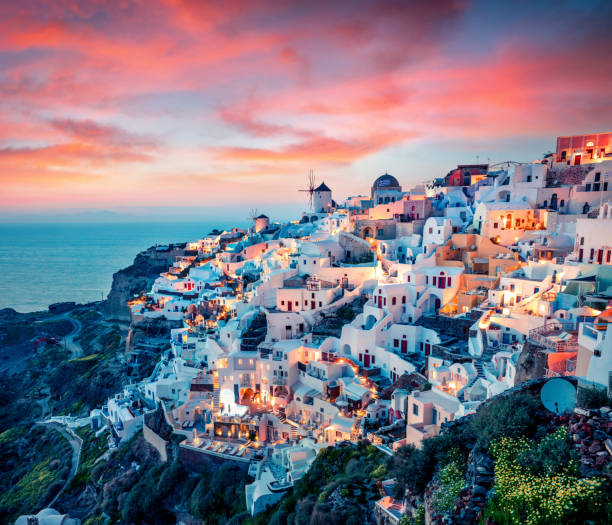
47,263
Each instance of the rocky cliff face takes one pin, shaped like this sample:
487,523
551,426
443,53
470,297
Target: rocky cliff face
137,278
531,363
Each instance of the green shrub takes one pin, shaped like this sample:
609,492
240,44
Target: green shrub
556,496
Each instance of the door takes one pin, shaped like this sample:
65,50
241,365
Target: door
580,254
427,348
312,305
404,346
599,256
366,360
577,159
380,301
289,305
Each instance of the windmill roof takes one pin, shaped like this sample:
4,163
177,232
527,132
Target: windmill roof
262,216
322,187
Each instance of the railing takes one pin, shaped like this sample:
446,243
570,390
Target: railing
542,335
589,330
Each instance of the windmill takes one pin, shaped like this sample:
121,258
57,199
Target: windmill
311,188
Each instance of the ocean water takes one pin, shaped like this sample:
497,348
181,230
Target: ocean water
47,263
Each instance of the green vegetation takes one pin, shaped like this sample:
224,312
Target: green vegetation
451,481
339,487
536,486
93,448
214,498
133,486
34,464
593,397
92,377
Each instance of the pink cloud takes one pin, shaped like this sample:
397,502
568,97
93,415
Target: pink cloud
108,97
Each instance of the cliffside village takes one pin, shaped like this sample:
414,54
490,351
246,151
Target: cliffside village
380,317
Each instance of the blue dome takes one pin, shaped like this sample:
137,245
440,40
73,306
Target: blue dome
386,181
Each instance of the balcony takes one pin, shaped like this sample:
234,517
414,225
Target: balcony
556,335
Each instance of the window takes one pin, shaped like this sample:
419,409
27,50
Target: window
581,241
495,225
597,176
592,253
588,187
396,341
415,409
434,417
605,188
393,301
403,299
562,203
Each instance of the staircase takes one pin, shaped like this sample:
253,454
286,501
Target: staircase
216,391
479,374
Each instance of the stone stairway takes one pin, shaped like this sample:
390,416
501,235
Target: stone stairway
216,391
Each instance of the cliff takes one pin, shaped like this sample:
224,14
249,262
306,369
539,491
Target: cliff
531,364
138,278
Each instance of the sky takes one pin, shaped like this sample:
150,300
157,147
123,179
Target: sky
171,108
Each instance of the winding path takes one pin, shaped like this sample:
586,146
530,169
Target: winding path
76,443
68,341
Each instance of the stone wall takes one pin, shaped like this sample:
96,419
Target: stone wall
157,442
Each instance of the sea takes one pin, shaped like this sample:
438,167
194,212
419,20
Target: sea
45,263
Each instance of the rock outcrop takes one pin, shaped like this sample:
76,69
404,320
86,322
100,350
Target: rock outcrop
138,278
531,364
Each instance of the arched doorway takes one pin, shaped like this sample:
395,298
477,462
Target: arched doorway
367,232
346,350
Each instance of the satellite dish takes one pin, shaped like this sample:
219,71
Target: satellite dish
558,396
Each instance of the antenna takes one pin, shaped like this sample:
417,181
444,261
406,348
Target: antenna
558,395
253,213
310,189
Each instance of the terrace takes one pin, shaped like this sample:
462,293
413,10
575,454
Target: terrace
556,336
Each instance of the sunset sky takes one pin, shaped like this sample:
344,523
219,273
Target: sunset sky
194,105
